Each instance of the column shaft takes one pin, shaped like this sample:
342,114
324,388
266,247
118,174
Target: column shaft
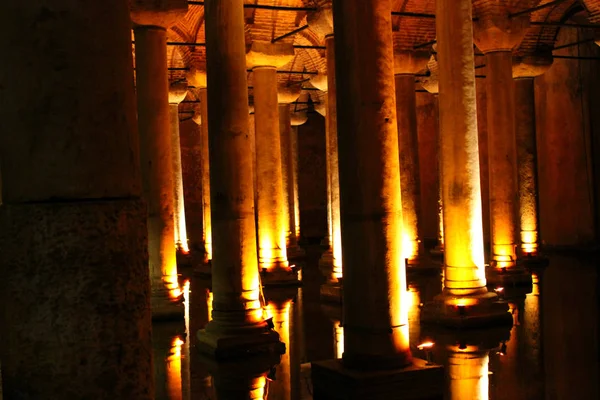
75,317
461,190
205,176
270,200
406,110
285,133
156,157
333,159
502,157
375,318
181,240
235,278
527,164
295,194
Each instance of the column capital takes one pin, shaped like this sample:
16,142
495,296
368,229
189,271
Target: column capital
531,66
492,32
320,82
410,62
321,21
196,77
298,118
197,117
431,83
162,13
266,54
177,92
321,108
288,94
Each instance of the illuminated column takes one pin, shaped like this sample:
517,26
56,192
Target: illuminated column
74,290
406,64
467,369
285,97
322,22
431,84
525,69
297,119
465,290
197,78
375,311
152,88
177,94
496,37
264,58
237,313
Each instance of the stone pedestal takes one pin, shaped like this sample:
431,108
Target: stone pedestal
331,292
331,381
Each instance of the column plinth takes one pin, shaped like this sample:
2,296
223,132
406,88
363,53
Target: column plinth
238,322
156,159
75,319
464,299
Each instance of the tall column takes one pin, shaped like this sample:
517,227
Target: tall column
406,65
75,317
496,36
285,97
525,69
322,22
264,58
237,313
152,88
375,311
177,94
197,78
465,292
297,119
431,84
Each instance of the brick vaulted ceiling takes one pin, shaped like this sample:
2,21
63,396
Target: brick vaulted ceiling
408,30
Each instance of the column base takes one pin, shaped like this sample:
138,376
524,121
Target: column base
437,252
475,311
332,381
505,278
295,252
203,269
165,308
245,342
423,266
184,260
280,277
331,292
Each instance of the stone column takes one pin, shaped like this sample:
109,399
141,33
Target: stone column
197,78
431,84
75,318
177,94
525,69
297,119
152,87
238,319
406,65
375,312
496,36
465,290
264,58
286,96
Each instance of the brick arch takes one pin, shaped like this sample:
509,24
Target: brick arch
411,31
593,8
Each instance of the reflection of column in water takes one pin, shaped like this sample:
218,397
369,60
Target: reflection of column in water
200,314
167,341
185,359
297,348
531,323
280,311
467,370
338,339
252,387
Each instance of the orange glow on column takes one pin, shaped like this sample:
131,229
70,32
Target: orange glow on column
280,312
529,242
410,245
468,373
174,386
338,339
503,255
206,217
181,240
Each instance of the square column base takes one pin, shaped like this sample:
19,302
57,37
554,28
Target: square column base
423,266
294,253
331,292
247,342
280,277
332,381
166,309
533,262
203,269
476,311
